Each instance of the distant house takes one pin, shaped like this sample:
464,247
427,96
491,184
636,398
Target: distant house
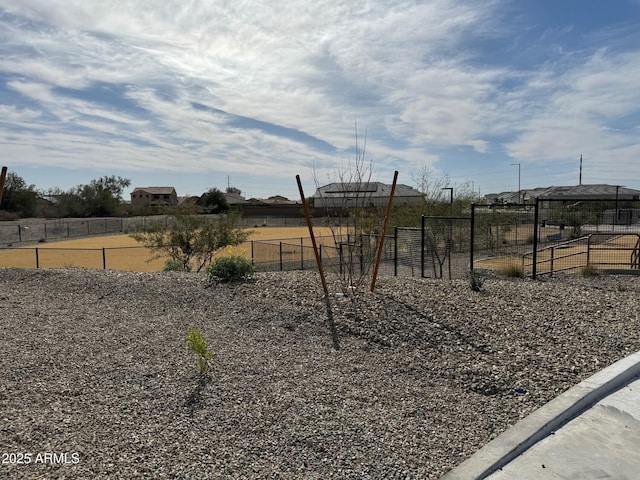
274,206
154,196
586,192
365,194
505,198
235,199
568,193
278,200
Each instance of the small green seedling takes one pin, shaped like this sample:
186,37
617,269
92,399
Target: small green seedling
198,345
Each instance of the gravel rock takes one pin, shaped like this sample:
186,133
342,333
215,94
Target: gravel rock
94,365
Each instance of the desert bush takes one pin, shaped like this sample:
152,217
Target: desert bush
191,239
232,268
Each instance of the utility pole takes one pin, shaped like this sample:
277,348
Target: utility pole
580,170
519,188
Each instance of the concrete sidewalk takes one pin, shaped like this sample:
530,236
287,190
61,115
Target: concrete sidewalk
592,431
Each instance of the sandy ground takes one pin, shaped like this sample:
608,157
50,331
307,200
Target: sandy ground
121,252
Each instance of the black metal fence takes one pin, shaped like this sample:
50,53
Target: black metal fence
556,235
39,230
438,249
34,231
541,238
291,253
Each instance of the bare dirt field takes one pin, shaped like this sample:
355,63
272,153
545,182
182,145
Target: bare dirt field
121,252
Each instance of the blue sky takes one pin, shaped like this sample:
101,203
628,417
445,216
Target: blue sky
210,93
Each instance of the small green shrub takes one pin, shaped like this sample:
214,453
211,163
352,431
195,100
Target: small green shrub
512,271
231,269
198,345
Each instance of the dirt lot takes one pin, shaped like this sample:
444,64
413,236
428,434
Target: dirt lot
121,252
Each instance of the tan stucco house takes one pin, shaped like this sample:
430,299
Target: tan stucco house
154,196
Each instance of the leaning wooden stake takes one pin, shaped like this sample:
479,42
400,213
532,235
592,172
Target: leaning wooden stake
332,325
384,232
3,175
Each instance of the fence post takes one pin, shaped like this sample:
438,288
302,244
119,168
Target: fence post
280,256
422,224
19,233
68,229
301,252
104,259
536,220
37,259
252,257
395,252
45,230
361,253
473,235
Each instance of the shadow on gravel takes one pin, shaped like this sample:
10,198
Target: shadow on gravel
195,401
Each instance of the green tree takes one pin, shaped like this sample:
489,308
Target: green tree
213,201
192,240
103,197
66,204
18,197
100,197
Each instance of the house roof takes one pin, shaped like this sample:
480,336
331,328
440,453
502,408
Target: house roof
278,200
581,192
568,192
235,199
504,197
155,190
371,189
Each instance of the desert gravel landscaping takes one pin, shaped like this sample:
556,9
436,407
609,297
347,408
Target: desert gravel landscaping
94,365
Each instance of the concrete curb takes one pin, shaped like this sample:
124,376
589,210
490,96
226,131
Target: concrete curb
546,420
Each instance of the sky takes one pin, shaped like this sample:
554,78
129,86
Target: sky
493,95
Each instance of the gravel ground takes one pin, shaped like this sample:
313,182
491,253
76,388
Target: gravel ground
94,365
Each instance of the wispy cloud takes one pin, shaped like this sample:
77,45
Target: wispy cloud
589,108
275,88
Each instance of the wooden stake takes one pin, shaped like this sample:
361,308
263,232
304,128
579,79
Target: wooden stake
384,232
332,326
